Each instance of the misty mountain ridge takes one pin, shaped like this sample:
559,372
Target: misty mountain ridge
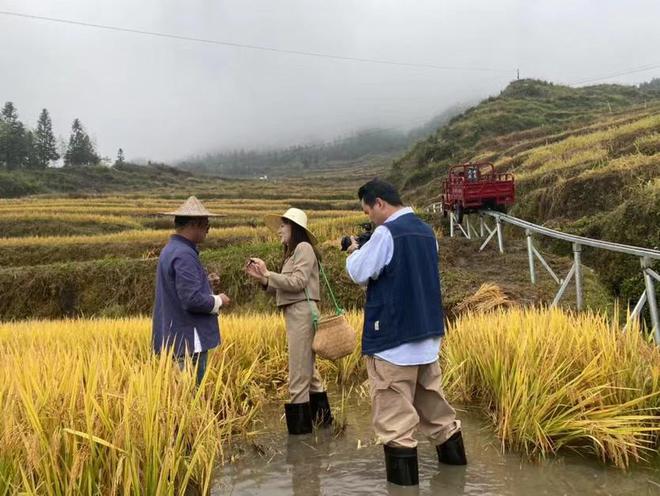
363,146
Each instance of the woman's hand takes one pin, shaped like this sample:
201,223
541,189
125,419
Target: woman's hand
259,266
251,270
257,269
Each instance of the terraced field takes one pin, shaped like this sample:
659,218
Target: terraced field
96,255
89,410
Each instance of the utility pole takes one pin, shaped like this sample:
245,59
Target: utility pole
518,74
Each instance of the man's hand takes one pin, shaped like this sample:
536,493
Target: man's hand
225,299
214,280
353,246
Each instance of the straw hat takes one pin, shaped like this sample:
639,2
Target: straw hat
295,215
192,207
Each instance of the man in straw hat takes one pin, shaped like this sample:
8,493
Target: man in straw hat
186,311
403,325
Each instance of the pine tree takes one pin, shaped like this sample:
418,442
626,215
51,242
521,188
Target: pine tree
81,149
4,137
13,144
32,160
120,157
45,146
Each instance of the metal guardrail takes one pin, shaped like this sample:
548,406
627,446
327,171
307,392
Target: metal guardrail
645,255
572,238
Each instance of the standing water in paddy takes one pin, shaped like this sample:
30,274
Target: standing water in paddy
352,464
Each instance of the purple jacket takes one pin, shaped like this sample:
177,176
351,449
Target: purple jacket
184,300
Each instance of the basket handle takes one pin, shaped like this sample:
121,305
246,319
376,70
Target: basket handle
315,315
338,310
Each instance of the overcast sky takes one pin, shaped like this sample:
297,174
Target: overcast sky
165,99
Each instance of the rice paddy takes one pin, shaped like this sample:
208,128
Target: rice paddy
553,380
88,409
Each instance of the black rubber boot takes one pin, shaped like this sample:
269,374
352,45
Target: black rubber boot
298,418
401,466
321,412
452,451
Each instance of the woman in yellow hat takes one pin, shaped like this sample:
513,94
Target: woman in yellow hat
296,290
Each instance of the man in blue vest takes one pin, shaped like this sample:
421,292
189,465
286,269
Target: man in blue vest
186,311
403,326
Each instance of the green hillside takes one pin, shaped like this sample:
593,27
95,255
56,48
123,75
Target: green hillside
586,161
89,180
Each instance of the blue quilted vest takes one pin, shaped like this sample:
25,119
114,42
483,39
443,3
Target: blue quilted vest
404,304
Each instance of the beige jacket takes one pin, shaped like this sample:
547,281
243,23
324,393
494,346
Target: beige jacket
300,271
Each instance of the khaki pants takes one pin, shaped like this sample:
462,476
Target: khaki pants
303,376
405,398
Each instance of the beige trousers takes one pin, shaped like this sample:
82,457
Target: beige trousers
303,376
405,398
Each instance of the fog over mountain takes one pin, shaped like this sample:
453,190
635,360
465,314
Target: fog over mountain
166,98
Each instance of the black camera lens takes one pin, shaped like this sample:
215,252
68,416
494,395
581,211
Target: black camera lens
345,243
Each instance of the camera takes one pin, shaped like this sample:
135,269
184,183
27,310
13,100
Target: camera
362,238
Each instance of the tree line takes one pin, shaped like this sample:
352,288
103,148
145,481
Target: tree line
24,148
300,157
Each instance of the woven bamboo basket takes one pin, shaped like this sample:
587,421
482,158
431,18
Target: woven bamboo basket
334,338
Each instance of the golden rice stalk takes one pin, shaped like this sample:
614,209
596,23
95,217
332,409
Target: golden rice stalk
488,297
552,380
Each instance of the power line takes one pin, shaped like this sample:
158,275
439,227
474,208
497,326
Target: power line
303,52
643,68
252,47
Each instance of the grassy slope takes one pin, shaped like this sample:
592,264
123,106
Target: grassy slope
586,161
89,180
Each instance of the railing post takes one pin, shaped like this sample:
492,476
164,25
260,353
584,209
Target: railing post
577,251
651,300
636,311
530,256
500,240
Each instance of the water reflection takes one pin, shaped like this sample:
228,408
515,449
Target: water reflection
304,461
394,490
352,464
449,480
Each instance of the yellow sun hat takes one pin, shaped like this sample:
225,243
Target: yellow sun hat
294,215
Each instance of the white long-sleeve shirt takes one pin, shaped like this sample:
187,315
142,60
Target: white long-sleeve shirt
368,263
197,344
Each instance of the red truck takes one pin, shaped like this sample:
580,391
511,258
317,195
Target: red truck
476,186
